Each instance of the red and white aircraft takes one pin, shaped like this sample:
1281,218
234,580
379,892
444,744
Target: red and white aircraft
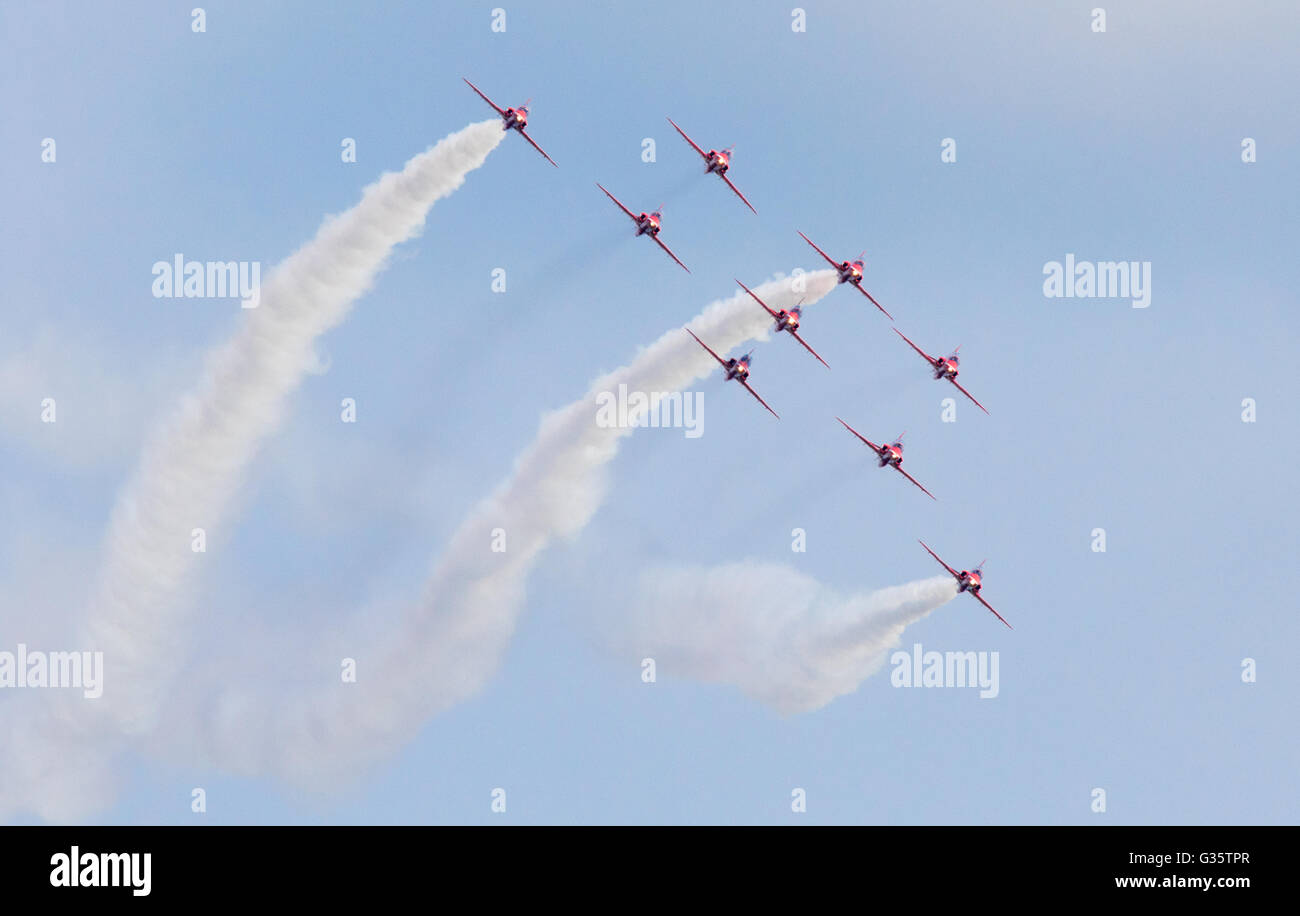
968,581
716,161
737,369
786,321
889,455
850,272
646,224
513,117
944,367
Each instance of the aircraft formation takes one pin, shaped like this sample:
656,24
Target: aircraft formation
649,224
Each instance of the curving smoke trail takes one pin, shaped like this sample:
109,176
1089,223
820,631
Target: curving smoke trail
802,646
193,466
450,642
780,636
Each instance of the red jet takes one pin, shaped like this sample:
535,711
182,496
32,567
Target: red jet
944,367
968,581
890,455
513,117
786,321
715,161
646,224
737,369
850,272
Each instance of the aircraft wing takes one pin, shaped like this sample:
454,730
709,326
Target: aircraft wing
795,335
500,111
914,480
874,302
524,134
694,146
926,356
630,214
955,574
738,194
775,317
871,445
720,360
990,607
969,395
835,264
760,400
670,253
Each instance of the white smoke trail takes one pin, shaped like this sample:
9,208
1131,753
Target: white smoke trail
192,468
451,642
780,636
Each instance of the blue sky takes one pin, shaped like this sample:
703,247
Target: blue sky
1124,668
